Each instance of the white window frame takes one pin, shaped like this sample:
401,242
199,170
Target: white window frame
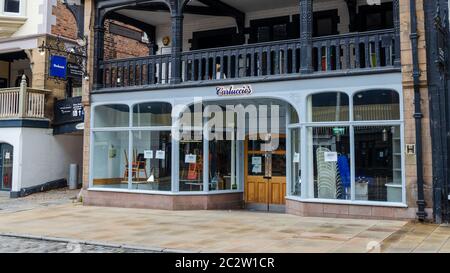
22,5
305,124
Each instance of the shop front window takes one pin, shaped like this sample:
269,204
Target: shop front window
152,114
329,162
222,164
132,157
376,105
112,115
110,159
358,160
378,167
191,161
151,163
328,107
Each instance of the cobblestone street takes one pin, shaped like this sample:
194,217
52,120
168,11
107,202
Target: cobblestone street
25,245
9,244
38,200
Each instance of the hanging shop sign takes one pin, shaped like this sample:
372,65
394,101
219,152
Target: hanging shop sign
58,67
69,110
74,70
224,91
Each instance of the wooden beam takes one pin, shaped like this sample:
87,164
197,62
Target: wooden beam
352,7
227,10
147,28
160,7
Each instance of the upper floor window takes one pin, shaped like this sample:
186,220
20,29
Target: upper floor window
11,6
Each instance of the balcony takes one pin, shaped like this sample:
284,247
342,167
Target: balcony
21,103
302,55
357,52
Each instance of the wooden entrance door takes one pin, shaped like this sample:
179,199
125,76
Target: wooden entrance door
265,174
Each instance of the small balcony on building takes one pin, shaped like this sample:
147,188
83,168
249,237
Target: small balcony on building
21,104
157,43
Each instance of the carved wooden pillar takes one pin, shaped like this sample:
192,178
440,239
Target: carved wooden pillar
306,29
177,46
99,41
396,12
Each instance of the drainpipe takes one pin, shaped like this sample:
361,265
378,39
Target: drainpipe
421,214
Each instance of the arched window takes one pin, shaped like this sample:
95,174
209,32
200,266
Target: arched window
112,115
328,107
376,105
152,114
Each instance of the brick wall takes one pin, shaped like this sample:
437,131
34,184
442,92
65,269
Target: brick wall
66,24
408,91
119,47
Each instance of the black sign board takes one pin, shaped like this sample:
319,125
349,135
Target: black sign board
74,70
125,32
69,110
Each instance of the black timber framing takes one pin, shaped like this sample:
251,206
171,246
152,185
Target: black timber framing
178,8
150,30
78,12
105,9
438,50
226,9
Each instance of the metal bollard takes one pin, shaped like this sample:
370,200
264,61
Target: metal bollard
73,177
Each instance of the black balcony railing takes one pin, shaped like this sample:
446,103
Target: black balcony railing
348,52
354,51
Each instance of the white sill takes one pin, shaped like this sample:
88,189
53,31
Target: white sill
13,16
349,202
165,192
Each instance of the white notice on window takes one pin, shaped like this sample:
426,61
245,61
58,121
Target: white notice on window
190,158
256,160
257,168
148,154
296,158
331,156
160,154
7,156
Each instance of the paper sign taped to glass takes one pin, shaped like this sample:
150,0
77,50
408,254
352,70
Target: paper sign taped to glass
296,158
160,154
190,159
148,154
257,168
331,156
256,160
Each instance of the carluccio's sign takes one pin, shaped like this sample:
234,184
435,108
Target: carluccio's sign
224,91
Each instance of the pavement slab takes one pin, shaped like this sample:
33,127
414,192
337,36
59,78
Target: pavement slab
56,220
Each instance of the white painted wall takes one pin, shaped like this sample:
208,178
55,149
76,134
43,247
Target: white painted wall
40,157
12,136
46,157
38,14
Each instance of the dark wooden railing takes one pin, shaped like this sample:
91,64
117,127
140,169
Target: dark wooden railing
149,70
274,58
354,51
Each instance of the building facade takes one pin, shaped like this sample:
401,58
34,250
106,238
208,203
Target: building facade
322,105
38,138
